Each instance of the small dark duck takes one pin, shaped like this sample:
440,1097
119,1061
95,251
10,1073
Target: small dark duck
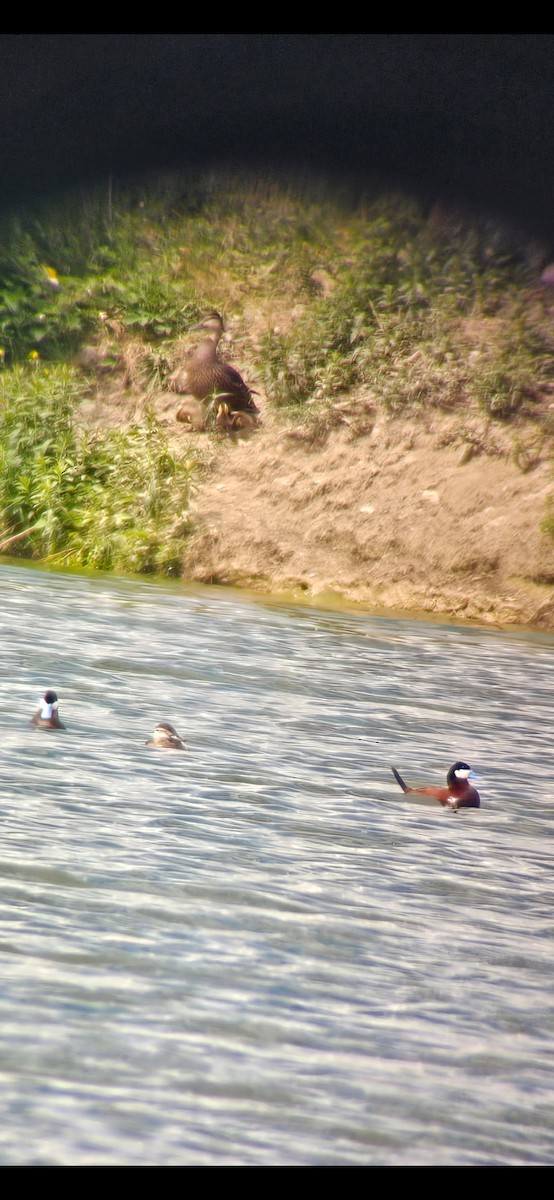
458,793
46,716
165,737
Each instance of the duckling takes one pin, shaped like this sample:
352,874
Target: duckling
165,737
245,421
46,716
192,413
205,375
239,423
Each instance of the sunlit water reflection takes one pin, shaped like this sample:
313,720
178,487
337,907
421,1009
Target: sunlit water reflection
260,951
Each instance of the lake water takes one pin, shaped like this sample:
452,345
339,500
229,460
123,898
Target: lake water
260,951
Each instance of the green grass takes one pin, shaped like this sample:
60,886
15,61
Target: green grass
417,313
113,501
155,255
395,325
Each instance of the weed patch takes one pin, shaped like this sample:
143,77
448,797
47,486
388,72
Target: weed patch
113,501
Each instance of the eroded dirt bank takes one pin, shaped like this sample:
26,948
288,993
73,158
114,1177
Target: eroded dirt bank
440,514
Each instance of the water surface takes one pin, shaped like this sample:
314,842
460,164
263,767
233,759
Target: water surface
260,951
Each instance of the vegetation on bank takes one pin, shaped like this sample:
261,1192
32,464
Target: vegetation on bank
112,501
409,309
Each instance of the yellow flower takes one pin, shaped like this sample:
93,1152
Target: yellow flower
52,276
33,355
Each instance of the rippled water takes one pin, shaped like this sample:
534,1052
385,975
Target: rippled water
260,951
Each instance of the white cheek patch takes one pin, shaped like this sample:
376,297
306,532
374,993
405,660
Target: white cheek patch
462,774
46,710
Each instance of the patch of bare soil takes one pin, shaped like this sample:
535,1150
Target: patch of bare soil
440,515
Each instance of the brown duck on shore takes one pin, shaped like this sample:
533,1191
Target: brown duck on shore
206,376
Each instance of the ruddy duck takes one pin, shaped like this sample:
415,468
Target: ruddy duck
46,716
165,737
459,793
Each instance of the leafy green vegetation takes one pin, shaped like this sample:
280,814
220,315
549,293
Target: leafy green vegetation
401,285
400,308
113,501
396,325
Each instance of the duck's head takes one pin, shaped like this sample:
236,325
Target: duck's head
213,324
47,712
458,773
166,737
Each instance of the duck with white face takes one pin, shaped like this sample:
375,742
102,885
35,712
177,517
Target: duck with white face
165,737
459,792
47,716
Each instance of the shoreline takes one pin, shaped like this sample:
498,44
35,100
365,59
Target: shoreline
400,520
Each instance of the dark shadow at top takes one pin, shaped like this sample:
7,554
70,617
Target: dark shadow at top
452,117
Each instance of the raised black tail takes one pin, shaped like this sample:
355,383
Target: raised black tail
400,780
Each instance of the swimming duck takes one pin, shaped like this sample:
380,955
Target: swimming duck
458,793
205,375
46,716
165,737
